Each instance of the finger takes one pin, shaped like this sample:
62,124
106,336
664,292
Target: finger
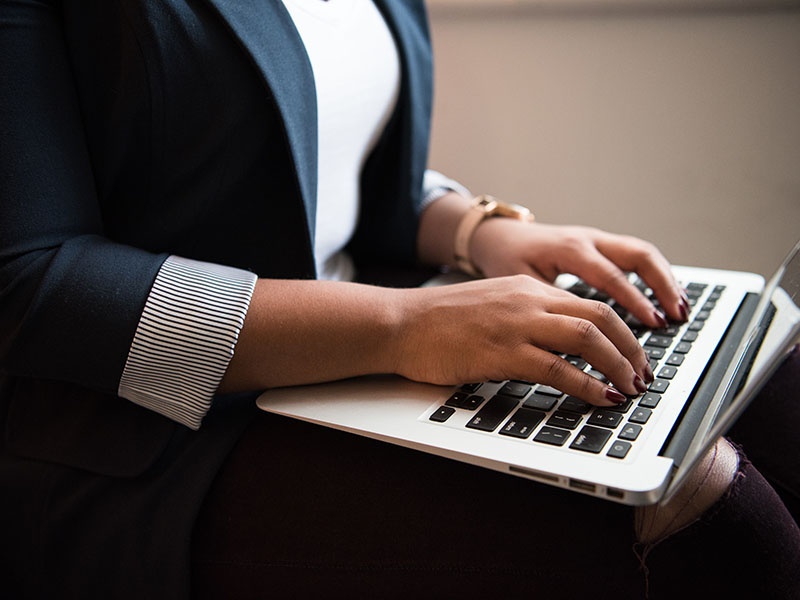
613,328
605,275
546,368
583,338
645,259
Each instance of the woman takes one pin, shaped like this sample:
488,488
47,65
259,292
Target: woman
178,179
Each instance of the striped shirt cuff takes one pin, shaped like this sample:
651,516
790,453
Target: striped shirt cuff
435,185
186,337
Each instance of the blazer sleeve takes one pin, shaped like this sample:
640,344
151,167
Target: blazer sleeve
71,299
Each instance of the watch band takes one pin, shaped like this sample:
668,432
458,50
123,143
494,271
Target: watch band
485,206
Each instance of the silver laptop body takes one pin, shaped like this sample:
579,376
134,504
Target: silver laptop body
743,330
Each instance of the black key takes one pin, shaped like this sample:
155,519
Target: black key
490,416
601,297
653,364
472,402
670,331
676,360
564,419
577,362
575,405
692,301
709,305
551,435
549,391
689,336
659,386
456,399
621,408
522,423
652,352
696,325
640,415
539,401
619,449
470,388
650,400
667,372
442,414
682,347
696,286
581,289
659,341
591,439
694,294
604,418
718,289
515,389
630,432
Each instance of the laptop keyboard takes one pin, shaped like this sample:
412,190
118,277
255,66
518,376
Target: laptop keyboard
527,410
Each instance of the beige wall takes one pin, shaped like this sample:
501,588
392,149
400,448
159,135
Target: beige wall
681,125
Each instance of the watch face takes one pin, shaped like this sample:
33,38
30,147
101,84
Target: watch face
515,211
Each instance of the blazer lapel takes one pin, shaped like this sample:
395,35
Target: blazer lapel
408,23
267,33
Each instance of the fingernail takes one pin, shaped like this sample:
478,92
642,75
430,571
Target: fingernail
684,311
648,373
685,297
614,396
662,322
639,384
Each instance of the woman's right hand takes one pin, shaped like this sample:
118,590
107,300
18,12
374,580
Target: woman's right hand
506,328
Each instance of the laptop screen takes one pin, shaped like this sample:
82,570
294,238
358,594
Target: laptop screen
771,333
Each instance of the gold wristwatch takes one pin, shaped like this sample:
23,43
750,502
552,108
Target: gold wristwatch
483,208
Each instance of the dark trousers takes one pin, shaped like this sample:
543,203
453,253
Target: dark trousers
303,511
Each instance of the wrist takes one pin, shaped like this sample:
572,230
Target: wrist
484,209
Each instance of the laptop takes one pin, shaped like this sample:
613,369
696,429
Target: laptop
707,371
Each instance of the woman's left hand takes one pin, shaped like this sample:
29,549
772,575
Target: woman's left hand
502,246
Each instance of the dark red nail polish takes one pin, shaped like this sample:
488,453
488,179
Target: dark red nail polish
662,322
685,297
648,374
639,384
615,396
684,312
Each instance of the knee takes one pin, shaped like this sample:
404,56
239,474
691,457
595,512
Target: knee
707,483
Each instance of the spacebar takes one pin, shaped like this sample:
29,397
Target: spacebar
493,413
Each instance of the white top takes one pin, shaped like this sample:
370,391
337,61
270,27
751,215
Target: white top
357,76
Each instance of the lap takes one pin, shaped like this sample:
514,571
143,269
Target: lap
301,511
298,506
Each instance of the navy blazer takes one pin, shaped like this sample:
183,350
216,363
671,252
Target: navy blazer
131,130
136,129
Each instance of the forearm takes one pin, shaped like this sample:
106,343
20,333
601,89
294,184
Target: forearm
299,332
